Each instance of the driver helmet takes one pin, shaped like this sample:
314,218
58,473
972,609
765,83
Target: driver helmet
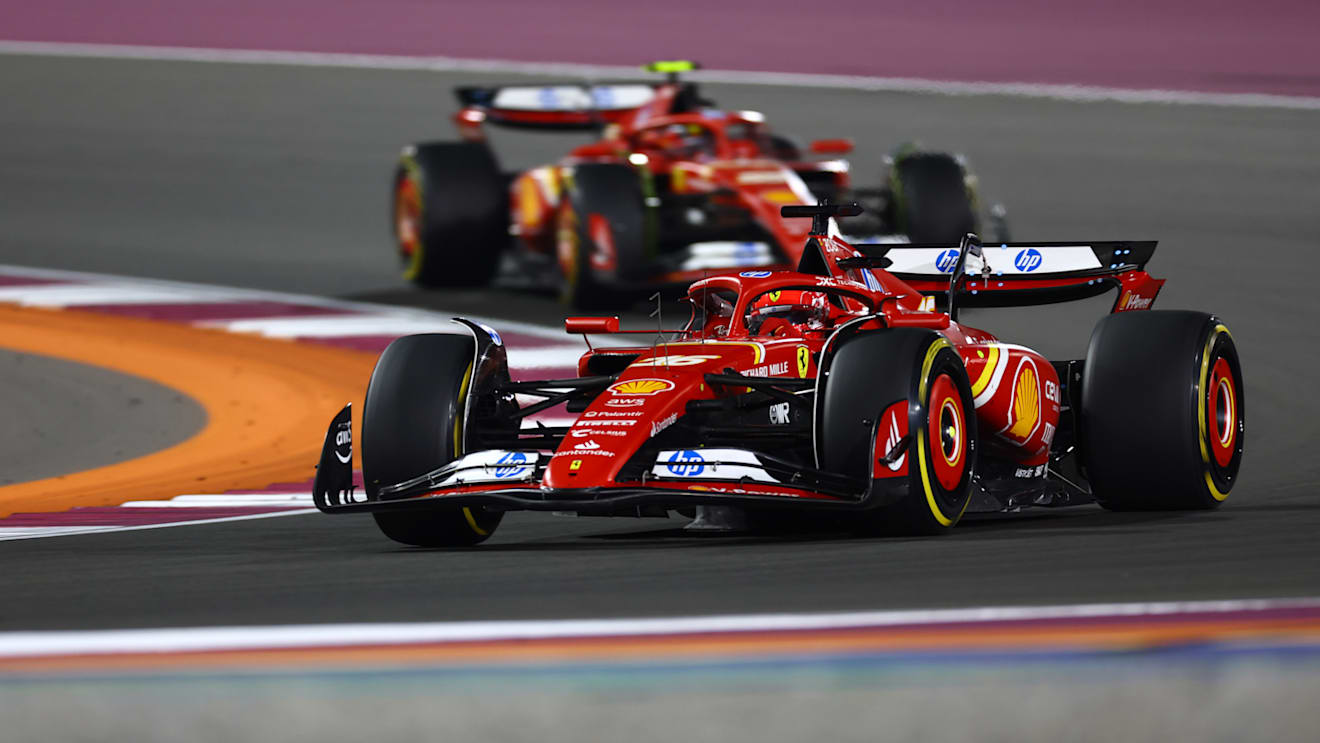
804,310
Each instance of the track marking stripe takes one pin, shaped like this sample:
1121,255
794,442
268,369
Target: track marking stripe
1073,93
13,645
36,532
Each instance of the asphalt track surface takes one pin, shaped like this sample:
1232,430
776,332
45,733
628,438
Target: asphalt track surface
93,416
275,178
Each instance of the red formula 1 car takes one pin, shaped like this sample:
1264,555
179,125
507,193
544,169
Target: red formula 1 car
838,391
674,190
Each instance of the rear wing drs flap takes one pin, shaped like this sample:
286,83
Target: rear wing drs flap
1022,273
557,105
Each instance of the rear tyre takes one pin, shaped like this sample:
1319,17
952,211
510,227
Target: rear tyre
602,235
451,214
929,200
1163,417
915,374
413,422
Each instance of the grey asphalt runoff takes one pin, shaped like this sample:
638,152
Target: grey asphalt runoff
62,417
276,177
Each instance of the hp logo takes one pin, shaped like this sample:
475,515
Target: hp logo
1028,260
947,260
511,460
686,463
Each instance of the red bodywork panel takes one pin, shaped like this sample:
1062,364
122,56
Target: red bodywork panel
1016,391
731,155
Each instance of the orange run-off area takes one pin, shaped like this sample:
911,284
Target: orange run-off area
267,402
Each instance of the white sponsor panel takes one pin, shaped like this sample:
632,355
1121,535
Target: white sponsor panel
710,464
492,465
1004,261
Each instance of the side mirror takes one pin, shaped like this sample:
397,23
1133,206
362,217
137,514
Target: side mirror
597,149
832,146
588,325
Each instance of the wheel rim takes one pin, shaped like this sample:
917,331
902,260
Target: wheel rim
948,433
407,217
1222,413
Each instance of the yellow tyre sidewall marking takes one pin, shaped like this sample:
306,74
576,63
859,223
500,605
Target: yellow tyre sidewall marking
1201,422
922,454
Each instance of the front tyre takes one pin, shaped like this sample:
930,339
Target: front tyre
414,422
1163,417
907,385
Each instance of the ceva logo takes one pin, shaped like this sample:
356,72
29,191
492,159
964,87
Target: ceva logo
1028,260
686,463
946,260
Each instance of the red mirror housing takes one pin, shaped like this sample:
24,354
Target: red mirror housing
597,149
586,325
832,146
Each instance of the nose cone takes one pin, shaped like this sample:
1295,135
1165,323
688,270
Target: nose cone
612,429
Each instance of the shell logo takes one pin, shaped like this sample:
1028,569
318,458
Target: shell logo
641,387
1024,414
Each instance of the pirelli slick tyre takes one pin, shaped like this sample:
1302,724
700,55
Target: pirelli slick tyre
1163,418
930,200
413,422
601,239
901,393
450,210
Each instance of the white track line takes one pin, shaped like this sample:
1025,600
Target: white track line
204,293
1076,93
10,533
196,639
74,295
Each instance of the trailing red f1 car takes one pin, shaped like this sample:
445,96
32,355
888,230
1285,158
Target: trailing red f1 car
838,390
674,189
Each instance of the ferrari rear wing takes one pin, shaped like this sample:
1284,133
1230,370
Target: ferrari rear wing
564,106
1021,273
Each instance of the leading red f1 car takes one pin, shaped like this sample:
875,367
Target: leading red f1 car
674,189
838,391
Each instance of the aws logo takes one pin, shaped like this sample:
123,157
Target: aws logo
1024,408
641,387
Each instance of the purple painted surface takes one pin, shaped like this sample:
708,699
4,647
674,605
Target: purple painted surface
1207,45
216,311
